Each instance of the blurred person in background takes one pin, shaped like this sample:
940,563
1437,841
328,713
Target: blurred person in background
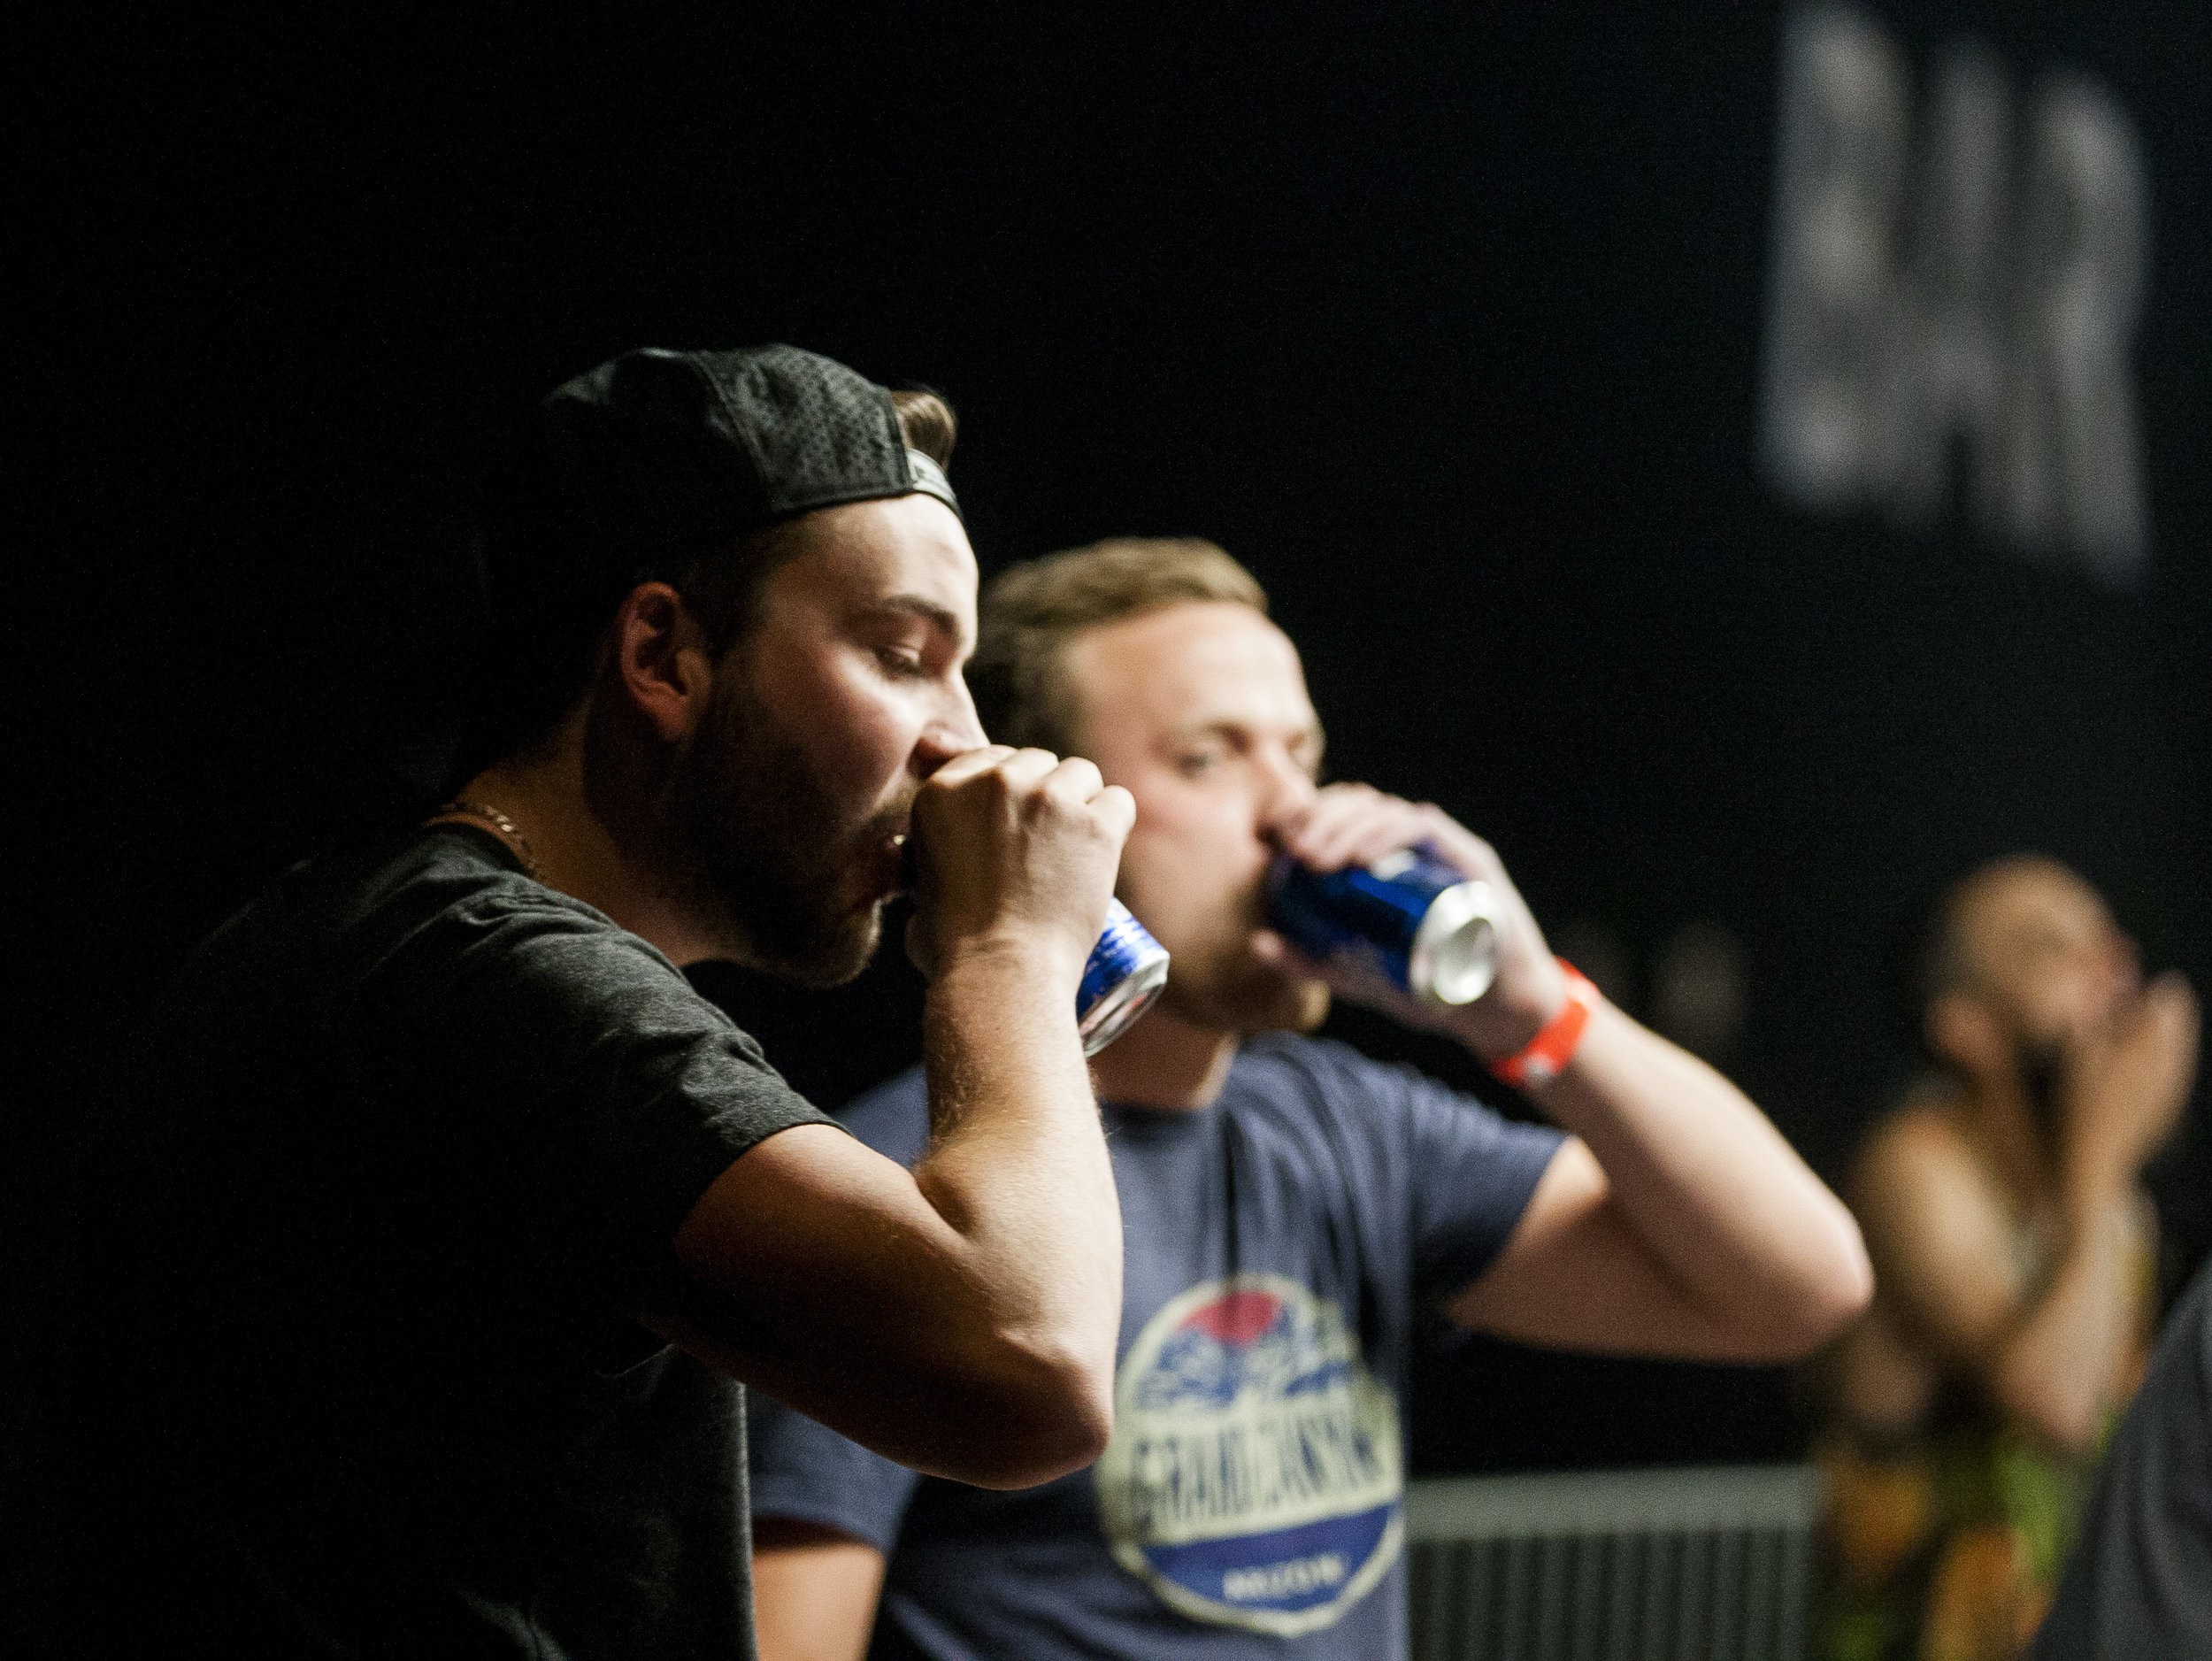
2015,1250
1289,1208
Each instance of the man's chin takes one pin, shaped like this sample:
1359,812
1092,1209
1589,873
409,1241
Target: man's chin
837,959
1303,1009
1250,1005
823,959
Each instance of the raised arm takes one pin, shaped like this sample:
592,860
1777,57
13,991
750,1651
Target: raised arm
2044,1352
2054,1351
960,1319
1675,1220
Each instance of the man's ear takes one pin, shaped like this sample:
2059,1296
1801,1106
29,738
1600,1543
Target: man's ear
660,660
1964,1034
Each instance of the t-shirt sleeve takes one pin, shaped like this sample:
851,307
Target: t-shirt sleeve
587,1096
803,1471
1472,1174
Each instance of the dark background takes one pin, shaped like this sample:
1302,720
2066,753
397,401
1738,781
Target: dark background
1446,324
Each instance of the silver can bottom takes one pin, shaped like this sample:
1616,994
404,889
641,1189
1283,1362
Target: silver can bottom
1454,955
1117,1009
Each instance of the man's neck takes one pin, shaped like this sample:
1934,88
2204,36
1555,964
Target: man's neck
1164,1062
2009,1130
576,852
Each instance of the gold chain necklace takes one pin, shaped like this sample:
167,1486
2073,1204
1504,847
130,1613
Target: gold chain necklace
460,807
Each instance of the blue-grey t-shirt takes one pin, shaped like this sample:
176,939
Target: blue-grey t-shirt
1276,1248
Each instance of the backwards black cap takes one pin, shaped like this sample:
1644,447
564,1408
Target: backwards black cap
657,457
658,450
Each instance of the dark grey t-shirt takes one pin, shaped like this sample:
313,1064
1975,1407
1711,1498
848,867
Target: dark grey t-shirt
400,1160
2140,1581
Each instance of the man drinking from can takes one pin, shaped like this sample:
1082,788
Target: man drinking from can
1289,1206
439,1218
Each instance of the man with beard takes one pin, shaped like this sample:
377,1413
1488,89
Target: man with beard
439,1218
2003,1205
1288,1207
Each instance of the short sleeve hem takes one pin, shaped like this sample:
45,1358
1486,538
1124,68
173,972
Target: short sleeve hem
795,1503
1520,1165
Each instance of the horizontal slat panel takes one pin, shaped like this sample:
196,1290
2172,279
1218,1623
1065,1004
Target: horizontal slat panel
1705,1563
1677,1499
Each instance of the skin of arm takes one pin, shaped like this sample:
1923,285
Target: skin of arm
2058,1355
960,1319
814,1592
1675,1220
2047,1357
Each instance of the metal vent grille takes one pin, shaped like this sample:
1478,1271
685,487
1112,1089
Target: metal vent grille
1701,1564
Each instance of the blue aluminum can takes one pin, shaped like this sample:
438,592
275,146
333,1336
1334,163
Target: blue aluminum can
1424,924
1124,973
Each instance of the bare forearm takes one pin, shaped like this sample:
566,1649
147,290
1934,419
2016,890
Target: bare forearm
961,1318
2058,1368
814,1592
1727,1210
1018,1163
958,1317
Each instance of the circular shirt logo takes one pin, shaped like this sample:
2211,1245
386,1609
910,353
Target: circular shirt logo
1256,1470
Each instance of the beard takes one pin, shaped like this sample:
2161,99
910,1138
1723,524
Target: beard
1215,984
762,850
2041,1066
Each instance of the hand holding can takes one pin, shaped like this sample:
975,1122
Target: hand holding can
1427,929
1125,971
1361,842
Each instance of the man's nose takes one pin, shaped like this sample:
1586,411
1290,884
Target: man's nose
954,730
1287,792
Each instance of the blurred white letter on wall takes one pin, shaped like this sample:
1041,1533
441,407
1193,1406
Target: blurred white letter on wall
2077,472
1975,293
1840,167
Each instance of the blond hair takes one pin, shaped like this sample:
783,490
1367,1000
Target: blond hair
1030,612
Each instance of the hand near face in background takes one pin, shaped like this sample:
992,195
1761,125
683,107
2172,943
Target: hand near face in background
2126,1084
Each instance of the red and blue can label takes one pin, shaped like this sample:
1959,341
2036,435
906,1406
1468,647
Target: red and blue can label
1425,925
1124,973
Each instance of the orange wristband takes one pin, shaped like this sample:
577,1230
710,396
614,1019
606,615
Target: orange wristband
1546,1054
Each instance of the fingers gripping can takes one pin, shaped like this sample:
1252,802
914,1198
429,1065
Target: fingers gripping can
1424,924
1124,973
1121,977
